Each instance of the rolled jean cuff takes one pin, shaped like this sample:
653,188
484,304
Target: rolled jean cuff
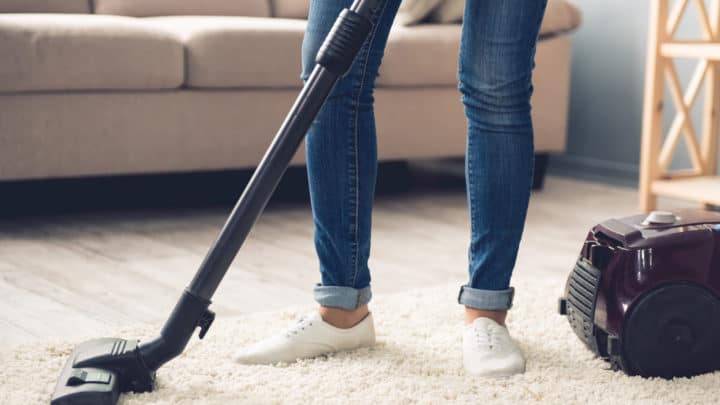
489,300
342,297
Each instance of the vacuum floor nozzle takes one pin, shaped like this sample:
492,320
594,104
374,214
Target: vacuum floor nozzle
99,370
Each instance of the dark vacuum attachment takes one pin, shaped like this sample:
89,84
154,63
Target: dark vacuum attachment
644,293
99,370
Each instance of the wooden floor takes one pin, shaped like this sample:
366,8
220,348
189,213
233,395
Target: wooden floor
71,275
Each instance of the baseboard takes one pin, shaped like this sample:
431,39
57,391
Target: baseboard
593,169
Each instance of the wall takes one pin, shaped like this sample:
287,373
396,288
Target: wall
606,97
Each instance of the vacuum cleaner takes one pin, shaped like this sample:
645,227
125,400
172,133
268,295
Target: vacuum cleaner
644,293
99,370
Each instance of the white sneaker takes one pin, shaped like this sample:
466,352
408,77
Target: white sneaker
310,337
489,351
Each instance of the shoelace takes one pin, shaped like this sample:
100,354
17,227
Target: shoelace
299,326
488,337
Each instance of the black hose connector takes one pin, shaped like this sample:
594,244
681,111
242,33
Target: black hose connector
343,42
189,313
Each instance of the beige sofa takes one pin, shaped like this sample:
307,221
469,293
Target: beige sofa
106,87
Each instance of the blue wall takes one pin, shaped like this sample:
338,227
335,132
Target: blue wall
606,97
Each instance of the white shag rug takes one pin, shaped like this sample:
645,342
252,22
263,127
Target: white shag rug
417,360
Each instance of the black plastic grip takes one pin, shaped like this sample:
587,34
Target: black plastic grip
190,312
343,42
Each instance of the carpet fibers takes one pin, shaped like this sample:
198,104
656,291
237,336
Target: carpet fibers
417,360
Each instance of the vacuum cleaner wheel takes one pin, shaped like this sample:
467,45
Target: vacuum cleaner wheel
673,332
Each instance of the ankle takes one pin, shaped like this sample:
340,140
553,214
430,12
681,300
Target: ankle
343,318
472,314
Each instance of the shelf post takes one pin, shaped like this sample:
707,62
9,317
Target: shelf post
653,104
709,142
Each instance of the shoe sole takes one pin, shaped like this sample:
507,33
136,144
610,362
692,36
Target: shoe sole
497,374
283,362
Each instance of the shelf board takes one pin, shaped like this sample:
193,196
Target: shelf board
691,49
704,189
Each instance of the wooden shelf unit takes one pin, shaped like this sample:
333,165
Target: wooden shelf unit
699,183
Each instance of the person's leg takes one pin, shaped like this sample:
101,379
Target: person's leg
496,61
341,163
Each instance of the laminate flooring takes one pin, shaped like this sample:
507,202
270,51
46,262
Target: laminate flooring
66,275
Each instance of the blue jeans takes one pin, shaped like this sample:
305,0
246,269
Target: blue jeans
496,62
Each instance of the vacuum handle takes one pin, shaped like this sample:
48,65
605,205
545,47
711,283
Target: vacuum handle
336,56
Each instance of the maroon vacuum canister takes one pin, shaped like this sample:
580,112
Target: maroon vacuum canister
644,293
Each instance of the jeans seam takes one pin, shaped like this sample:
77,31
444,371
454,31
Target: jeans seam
366,57
471,200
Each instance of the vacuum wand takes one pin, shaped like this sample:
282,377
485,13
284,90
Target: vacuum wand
334,59
262,184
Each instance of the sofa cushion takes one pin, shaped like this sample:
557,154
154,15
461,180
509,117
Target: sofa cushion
290,8
239,51
560,15
421,55
82,52
427,54
412,12
45,6
146,8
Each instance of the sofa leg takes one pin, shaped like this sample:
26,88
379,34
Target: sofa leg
541,162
